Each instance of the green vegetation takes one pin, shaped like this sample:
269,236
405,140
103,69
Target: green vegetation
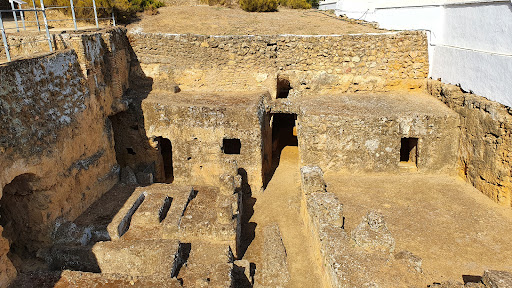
295,4
259,5
124,9
226,3
270,5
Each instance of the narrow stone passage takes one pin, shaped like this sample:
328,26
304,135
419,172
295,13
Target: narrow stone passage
280,203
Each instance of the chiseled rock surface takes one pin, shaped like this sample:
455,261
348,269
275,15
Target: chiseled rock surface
274,272
497,279
363,260
361,133
137,258
373,234
207,265
142,216
486,140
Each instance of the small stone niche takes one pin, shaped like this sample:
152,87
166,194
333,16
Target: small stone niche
231,146
283,87
409,151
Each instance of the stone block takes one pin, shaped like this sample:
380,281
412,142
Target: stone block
312,179
208,265
137,258
274,271
497,279
372,234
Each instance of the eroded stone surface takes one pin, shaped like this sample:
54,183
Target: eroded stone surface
208,265
373,234
497,279
274,272
137,258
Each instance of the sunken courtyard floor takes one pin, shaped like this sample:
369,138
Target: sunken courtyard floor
453,227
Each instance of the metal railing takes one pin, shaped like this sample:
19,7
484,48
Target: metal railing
18,15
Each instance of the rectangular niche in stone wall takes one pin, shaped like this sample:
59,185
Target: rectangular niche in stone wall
409,151
231,146
283,87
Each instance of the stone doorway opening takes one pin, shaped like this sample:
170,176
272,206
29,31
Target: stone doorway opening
18,217
284,134
409,152
165,148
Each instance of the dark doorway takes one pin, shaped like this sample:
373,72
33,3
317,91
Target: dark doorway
409,150
165,148
16,218
284,133
283,87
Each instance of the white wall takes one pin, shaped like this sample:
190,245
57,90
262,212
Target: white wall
470,43
327,5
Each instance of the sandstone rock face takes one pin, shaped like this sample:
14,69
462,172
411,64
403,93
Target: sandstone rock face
485,142
361,258
56,147
208,131
367,133
497,279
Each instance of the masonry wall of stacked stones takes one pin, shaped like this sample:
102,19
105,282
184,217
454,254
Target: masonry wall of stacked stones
344,63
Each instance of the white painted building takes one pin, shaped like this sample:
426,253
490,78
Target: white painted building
470,41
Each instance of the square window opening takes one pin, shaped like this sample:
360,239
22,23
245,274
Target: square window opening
231,146
409,150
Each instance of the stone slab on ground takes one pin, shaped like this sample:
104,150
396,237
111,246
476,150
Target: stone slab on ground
207,265
210,215
274,272
138,257
142,215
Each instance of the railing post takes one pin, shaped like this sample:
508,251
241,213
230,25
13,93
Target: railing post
46,26
35,12
22,15
15,16
73,13
95,13
4,39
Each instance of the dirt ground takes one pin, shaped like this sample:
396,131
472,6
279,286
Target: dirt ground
280,203
454,228
209,20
